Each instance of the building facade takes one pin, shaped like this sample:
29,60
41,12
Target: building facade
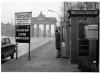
41,19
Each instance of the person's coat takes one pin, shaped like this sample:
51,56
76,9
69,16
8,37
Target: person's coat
57,40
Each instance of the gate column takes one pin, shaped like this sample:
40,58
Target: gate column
44,30
37,31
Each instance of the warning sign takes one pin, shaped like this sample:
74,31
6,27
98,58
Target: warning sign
23,22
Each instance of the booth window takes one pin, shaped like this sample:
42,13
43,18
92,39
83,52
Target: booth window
63,34
81,31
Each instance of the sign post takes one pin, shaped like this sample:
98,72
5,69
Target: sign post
23,22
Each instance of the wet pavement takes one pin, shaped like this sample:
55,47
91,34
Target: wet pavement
42,60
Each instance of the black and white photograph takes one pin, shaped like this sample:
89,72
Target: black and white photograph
49,36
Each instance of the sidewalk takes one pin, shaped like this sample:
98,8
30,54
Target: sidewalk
42,60
23,48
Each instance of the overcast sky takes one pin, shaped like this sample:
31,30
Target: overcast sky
8,8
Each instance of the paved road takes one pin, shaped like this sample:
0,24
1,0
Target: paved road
42,60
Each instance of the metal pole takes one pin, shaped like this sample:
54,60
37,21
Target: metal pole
29,46
30,38
29,43
15,40
29,52
16,50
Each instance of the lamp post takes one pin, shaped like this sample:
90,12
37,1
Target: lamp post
55,13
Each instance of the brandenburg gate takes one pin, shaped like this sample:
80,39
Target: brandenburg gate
41,19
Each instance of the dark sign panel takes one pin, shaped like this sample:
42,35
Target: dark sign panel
83,12
23,22
23,33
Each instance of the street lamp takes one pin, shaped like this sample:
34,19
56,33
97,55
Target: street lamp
60,18
56,14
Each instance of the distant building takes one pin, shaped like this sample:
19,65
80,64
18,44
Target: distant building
41,19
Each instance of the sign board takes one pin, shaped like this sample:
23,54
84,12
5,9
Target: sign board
23,22
83,12
91,32
23,33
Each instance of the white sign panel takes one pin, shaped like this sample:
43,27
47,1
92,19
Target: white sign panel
23,18
91,32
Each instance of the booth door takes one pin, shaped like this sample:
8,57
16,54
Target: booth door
86,47
83,44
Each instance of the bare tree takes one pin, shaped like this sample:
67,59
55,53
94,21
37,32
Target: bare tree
78,6
91,5
81,5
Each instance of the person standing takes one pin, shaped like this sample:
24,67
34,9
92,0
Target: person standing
58,43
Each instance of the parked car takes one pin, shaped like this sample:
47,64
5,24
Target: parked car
7,49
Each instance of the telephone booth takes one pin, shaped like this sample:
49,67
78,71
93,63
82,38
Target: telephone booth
83,48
